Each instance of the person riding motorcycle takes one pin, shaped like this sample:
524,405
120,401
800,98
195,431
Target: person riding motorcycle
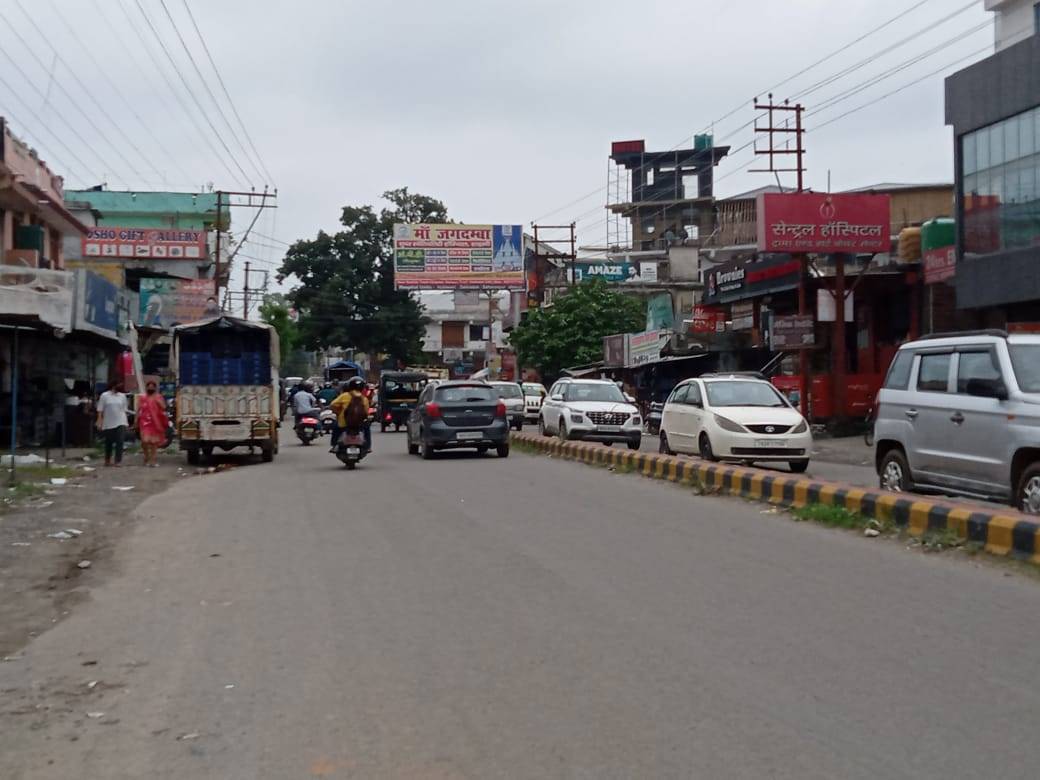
304,402
352,403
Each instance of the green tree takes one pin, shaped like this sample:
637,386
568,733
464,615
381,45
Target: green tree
275,311
570,332
346,295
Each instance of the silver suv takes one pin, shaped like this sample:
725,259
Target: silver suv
960,413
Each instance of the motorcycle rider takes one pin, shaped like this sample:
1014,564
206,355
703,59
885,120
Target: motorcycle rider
351,408
304,402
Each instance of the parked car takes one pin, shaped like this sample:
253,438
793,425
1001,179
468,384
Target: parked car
960,413
534,396
734,417
513,397
591,409
458,414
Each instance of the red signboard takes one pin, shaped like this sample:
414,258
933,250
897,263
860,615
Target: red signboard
151,243
940,264
707,319
823,222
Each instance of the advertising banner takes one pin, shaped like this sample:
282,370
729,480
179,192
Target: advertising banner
940,265
659,312
168,302
114,272
795,331
458,257
607,271
97,305
823,222
615,350
707,319
645,348
742,315
742,279
147,243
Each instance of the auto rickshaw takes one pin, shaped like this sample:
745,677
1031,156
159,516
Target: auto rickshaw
398,394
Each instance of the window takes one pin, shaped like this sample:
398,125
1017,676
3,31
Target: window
694,397
740,393
1025,359
508,390
934,374
899,372
580,392
477,333
465,394
976,365
679,394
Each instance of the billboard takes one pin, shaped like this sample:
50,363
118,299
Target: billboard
823,222
458,257
794,331
940,265
97,305
169,302
707,319
148,243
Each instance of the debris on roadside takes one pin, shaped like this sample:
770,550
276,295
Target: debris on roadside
871,532
58,481
84,564
74,531
123,488
92,685
21,460
189,735
61,536
95,715
20,544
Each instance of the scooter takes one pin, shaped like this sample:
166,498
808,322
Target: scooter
351,448
327,420
308,429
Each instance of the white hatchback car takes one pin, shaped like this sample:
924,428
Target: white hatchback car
735,417
590,409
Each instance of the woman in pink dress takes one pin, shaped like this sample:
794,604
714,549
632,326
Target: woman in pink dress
152,423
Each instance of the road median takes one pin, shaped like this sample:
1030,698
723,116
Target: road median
1000,530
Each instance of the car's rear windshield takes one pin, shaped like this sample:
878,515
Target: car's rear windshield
534,389
582,392
1026,360
739,393
508,391
396,386
460,394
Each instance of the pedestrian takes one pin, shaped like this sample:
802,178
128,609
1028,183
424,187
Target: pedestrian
111,421
151,423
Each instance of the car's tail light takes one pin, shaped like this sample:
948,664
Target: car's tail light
388,417
433,411
500,410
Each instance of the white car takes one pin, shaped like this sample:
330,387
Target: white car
735,417
513,397
590,409
534,396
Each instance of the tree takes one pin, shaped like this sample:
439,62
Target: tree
570,332
346,295
275,312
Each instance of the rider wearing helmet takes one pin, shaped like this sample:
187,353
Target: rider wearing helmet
351,408
303,401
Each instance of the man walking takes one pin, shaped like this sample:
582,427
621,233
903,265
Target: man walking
112,422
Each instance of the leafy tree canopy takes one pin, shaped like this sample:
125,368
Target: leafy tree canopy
570,332
346,295
275,311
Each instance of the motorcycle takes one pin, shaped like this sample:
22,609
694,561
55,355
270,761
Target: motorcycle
327,420
653,419
308,429
351,448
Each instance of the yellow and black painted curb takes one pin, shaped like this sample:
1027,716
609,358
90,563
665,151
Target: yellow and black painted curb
1001,531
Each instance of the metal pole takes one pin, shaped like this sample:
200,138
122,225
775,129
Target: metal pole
245,294
839,351
803,354
14,402
216,265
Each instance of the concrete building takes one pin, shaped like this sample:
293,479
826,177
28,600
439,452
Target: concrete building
994,109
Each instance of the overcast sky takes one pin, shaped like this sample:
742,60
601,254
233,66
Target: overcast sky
504,110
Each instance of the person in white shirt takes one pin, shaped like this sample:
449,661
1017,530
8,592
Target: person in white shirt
112,422
304,401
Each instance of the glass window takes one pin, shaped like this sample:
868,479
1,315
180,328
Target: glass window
508,390
899,372
976,365
1027,133
679,394
694,396
1011,139
934,374
458,394
969,153
1025,359
742,393
996,145
582,392
982,139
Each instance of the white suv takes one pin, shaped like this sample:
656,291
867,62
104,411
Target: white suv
960,413
592,409
735,417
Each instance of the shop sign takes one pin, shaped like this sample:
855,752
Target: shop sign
608,272
648,273
795,331
823,222
615,350
168,302
940,264
144,243
458,257
114,272
748,279
645,348
659,313
97,305
708,319
742,315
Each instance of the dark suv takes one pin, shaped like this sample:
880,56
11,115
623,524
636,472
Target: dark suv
455,415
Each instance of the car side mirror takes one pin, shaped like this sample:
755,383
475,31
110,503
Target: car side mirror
987,388
556,398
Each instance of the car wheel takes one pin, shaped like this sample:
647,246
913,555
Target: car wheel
798,466
382,427
541,427
634,444
502,450
413,449
663,447
1028,493
424,448
564,436
894,474
704,445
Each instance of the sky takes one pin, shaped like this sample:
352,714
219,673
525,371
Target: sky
503,110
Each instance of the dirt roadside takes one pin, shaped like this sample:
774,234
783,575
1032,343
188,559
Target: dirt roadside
42,578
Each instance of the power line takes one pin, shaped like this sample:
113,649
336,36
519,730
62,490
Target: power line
24,131
272,238
205,84
220,80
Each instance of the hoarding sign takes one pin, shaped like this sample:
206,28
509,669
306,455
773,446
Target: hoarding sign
940,264
97,305
707,319
458,257
608,272
645,348
742,315
114,272
739,280
148,243
615,350
168,302
823,222
648,272
659,312
794,332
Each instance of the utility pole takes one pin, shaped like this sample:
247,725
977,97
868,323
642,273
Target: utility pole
245,294
569,240
216,260
248,200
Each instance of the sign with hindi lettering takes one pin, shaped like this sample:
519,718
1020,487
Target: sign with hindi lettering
823,223
458,257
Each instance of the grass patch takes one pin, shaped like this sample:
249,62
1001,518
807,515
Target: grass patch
834,516
29,473
941,539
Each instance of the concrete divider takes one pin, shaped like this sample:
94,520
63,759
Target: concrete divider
1002,531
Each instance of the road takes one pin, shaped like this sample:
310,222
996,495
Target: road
523,618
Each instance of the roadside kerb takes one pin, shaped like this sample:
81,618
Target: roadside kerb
1001,531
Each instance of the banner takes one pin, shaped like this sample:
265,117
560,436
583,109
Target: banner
823,223
659,312
743,279
940,265
97,305
169,302
707,319
129,242
458,257
645,348
794,331
607,271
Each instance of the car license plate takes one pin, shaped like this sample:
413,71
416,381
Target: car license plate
468,435
609,428
769,443
353,450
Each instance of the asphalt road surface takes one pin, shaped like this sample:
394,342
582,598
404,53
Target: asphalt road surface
472,617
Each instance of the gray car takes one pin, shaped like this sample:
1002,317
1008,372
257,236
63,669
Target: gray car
454,415
960,414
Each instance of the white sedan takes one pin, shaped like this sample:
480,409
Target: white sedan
737,418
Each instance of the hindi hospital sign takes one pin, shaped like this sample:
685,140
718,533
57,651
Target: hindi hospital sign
823,223
458,257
